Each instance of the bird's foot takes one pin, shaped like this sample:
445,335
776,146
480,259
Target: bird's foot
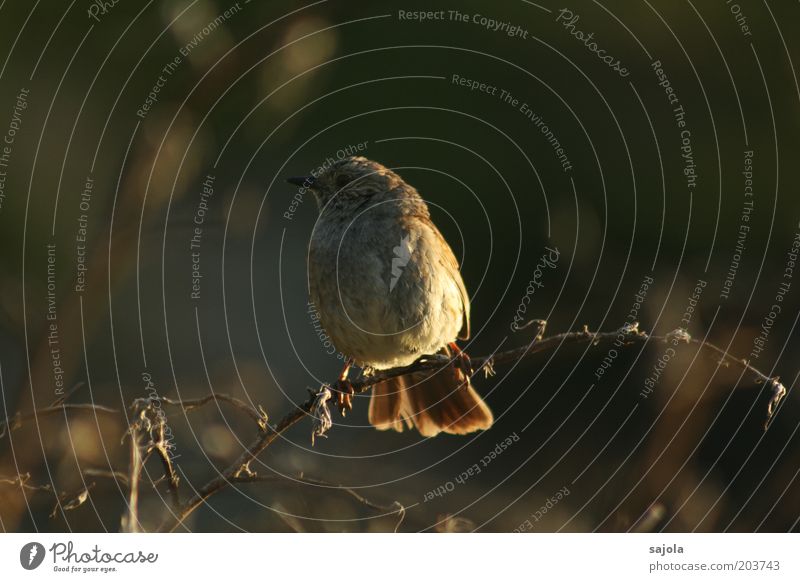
461,360
344,395
344,390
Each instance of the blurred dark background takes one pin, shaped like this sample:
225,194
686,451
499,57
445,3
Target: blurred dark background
272,90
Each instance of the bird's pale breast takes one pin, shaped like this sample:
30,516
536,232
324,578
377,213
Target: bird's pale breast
382,288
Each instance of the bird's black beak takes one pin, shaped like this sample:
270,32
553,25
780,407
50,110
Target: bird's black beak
305,181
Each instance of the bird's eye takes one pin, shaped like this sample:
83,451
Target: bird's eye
342,180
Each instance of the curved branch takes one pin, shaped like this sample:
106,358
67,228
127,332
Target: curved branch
629,334
395,508
316,405
259,415
16,421
23,482
241,466
317,408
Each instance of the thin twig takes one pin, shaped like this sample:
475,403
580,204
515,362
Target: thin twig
147,434
130,523
117,475
316,405
258,415
240,466
76,499
161,447
16,421
22,481
395,508
628,334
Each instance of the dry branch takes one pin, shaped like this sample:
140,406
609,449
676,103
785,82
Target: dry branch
23,482
116,475
74,499
395,508
629,334
258,415
316,406
241,466
16,421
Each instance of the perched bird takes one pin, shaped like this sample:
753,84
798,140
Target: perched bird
388,291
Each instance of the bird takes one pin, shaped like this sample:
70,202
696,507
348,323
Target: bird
389,292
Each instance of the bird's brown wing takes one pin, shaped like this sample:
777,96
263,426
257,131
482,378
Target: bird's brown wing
450,263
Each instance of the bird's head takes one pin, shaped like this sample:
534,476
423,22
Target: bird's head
349,181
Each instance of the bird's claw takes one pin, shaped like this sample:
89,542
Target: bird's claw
461,360
344,396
